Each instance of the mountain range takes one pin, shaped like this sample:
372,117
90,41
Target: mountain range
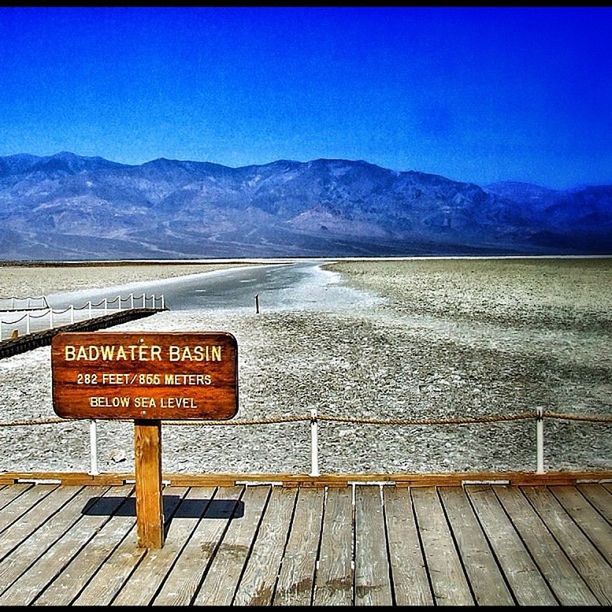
67,206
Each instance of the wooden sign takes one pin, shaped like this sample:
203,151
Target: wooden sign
173,375
145,377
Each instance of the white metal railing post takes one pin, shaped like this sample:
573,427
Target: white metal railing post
314,443
72,313
144,300
27,323
162,301
119,301
131,300
50,318
93,447
105,306
540,440
0,330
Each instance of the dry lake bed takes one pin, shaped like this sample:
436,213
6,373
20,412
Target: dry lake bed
418,338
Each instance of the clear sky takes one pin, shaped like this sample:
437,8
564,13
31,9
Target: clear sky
475,94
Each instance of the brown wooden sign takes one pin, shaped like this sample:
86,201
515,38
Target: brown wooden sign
145,376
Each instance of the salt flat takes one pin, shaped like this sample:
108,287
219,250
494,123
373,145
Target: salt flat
384,339
22,281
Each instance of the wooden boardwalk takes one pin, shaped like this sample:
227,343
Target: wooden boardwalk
28,342
259,544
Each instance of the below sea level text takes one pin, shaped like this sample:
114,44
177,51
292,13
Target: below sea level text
142,402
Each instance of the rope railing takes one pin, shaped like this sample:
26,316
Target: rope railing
134,301
441,421
538,416
26,301
596,418
58,312
238,422
21,318
23,422
40,316
522,416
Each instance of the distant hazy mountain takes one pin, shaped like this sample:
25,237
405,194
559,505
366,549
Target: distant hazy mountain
71,207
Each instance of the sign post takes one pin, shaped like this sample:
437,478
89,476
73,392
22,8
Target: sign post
148,468
146,377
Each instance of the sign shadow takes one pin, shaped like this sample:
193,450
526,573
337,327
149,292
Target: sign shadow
187,508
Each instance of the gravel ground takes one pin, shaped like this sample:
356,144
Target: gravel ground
444,338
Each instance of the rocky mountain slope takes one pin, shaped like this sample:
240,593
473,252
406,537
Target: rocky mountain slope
70,207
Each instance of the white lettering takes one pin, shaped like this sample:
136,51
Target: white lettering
196,353
109,402
109,352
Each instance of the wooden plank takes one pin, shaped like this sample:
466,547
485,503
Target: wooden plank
36,516
256,586
148,469
225,481
111,576
599,497
334,577
400,479
410,582
589,562
522,574
77,479
296,580
224,573
185,577
596,527
564,580
11,492
47,533
152,570
448,580
479,562
34,580
73,578
323,481
372,581
22,504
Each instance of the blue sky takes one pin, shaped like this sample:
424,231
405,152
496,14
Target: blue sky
475,94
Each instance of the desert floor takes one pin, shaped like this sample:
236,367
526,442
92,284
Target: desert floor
417,338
